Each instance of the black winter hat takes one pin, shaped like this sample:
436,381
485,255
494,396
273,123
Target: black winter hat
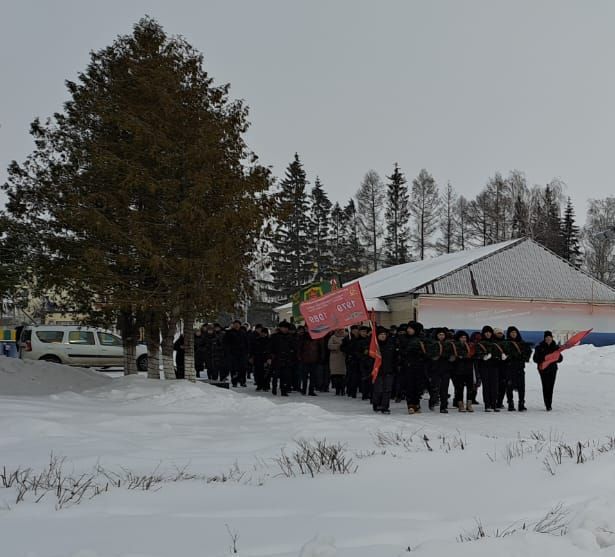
510,330
353,327
418,327
380,330
460,334
284,324
364,328
439,330
548,334
487,329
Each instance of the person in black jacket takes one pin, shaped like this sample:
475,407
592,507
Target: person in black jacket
180,357
519,353
213,353
463,372
412,347
237,351
199,351
382,387
366,362
283,349
488,356
350,348
260,355
547,375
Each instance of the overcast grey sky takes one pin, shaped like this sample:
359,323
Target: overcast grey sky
462,88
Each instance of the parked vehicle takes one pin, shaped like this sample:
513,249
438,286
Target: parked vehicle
76,346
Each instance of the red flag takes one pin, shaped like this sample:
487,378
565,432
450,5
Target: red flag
554,356
339,309
374,349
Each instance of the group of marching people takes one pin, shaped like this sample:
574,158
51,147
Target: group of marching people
414,361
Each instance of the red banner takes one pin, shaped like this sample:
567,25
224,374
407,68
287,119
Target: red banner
339,309
554,356
374,349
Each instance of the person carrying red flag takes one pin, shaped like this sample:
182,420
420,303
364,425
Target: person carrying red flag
548,374
385,361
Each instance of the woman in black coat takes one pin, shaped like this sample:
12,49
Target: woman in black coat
547,375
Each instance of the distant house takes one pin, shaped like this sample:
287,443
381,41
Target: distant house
518,282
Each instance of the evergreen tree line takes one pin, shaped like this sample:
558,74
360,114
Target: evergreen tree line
392,222
141,203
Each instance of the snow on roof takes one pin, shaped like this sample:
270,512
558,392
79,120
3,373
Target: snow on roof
407,277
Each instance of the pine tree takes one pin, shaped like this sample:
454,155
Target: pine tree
138,194
424,208
339,236
552,230
570,236
462,231
319,237
396,218
370,202
290,264
354,254
449,222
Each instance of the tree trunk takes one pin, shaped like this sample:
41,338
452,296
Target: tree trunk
152,337
169,326
130,353
189,346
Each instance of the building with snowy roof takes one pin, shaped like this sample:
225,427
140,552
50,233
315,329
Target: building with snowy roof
518,282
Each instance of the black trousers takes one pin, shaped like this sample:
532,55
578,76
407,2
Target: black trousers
517,381
260,376
366,367
547,378
353,377
415,382
310,377
339,383
463,380
504,379
381,395
213,372
490,377
239,369
284,376
439,378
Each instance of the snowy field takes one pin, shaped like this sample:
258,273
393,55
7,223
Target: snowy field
170,469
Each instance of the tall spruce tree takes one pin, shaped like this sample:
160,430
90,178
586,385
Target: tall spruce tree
571,250
425,209
370,202
552,229
462,232
319,237
449,221
290,264
339,227
354,258
138,194
396,216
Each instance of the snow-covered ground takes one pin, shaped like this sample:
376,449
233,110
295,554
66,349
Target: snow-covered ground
418,484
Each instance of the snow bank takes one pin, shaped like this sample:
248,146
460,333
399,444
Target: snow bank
398,498
36,378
